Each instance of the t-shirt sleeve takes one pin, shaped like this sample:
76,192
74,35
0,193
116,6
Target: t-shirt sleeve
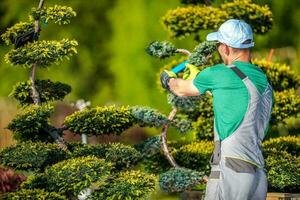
204,81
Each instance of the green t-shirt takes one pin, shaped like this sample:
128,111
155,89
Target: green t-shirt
230,95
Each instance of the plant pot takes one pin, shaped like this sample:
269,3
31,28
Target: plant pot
283,196
192,195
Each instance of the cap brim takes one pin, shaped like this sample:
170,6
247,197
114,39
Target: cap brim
212,36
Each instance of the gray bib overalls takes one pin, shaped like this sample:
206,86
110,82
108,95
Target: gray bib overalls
237,164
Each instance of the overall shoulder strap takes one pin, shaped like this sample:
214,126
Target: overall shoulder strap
237,71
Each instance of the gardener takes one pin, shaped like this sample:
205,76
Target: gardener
242,102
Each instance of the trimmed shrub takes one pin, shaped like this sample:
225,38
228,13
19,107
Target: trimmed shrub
48,91
161,50
74,175
58,14
259,17
179,180
100,120
31,156
36,181
195,156
79,150
150,146
127,185
283,172
36,194
182,22
202,53
29,123
123,156
280,75
42,53
204,128
145,116
287,104
290,144
16,30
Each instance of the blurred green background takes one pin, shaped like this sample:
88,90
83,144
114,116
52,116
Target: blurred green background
111,66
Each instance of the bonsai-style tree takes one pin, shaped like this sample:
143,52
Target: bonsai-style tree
63,170
191,19
114,170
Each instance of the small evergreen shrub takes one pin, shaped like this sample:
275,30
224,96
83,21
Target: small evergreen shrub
28,124
127,185
179,180
283,172
100,120
48,91
290,144
42,53
57,14
195,156
31,156
122,156
74,175
280,75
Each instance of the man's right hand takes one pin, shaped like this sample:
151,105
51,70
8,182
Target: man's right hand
165,76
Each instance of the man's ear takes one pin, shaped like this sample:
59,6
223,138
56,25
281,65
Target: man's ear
226,50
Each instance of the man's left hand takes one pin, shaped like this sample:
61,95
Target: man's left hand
165,76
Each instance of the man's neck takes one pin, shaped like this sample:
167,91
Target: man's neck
242,56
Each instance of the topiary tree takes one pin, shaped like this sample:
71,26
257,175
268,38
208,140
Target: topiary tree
70,170
191,19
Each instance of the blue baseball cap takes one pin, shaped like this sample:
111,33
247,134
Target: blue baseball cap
234,33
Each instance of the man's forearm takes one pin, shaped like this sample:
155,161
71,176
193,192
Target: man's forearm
181,87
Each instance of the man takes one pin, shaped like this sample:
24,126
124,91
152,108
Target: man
242,102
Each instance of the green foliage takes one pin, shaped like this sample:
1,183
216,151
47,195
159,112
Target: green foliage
259,17
16,30
31,156
161,50
122,156
149,147
181,22
36,181
36,194
28,125
179,180
100,120
127,185
283,172
146,116
80,149
58,14
48,91
155,162
290,144
184,103
287,104
283,163
280,75
203,127
42,53
182,124
202,53
195,156
74,175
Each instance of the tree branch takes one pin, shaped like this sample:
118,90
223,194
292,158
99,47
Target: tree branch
164,140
